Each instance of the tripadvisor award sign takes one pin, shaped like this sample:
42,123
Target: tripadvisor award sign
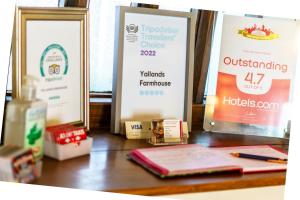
59,61
256,66
153,66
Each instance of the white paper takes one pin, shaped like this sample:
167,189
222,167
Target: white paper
154,50
64,93
172,129
252,165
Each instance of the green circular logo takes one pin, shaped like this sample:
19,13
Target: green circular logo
54,61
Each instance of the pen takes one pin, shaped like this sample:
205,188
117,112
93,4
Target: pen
258,157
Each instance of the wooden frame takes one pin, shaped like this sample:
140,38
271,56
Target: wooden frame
27,21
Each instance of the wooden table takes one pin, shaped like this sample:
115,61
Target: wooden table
108,169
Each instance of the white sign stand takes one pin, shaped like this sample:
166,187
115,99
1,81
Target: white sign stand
153,66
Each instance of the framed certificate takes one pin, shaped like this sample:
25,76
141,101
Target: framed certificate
153,66
52,45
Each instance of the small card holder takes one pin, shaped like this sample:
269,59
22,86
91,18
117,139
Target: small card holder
168,132
67,141
68,151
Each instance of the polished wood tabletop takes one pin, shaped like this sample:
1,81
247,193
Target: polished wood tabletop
107,168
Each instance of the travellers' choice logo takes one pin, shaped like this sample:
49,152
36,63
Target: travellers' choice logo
132,28
258,33
54,62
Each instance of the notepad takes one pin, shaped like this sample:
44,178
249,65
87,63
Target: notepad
196,159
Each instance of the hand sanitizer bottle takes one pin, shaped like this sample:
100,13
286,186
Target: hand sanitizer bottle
26,119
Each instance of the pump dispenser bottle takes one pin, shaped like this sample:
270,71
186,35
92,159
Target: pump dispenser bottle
26,119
